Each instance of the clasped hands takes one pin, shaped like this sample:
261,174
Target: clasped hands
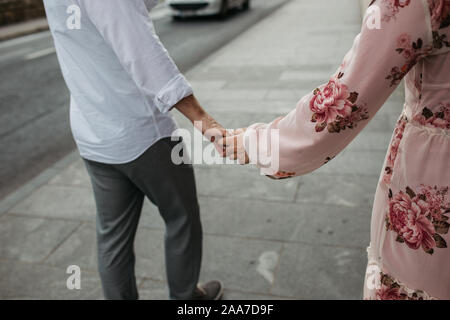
229,143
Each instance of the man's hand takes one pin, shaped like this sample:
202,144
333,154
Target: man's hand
233,146
201,120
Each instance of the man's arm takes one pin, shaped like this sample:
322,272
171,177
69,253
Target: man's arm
127,28
192,110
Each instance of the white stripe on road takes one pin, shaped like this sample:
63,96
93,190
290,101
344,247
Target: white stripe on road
17,53
39,54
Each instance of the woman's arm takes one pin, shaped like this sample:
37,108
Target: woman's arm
331,116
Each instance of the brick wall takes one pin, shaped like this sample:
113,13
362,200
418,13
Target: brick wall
12,11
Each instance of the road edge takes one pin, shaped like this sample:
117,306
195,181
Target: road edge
23,29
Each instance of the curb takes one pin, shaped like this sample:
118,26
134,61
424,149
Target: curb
23,29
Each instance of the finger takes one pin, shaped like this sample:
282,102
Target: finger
214,134
226,141
231,146
247,158
230,150
240,157
239,131
220,150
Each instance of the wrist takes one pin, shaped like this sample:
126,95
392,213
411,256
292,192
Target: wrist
191,109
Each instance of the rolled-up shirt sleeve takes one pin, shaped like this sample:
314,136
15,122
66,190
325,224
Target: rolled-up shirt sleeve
128,29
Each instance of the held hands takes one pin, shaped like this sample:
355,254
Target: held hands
232,146
201,120
211,130
228,143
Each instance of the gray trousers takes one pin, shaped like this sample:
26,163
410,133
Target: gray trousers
119,192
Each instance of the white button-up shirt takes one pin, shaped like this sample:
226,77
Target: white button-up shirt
121,79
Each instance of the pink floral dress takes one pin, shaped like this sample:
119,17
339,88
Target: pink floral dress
409,256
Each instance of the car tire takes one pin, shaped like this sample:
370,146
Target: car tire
224,8
246,5
177,18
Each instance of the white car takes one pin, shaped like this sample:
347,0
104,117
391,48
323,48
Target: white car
189,8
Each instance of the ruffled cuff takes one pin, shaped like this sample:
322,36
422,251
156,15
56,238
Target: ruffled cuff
258,152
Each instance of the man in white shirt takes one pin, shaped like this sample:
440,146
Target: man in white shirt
123,85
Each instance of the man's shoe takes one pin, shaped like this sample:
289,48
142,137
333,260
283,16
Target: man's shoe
212,290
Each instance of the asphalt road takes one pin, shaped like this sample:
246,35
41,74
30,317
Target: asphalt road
34,117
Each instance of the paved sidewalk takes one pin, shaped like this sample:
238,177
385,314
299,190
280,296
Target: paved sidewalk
302,238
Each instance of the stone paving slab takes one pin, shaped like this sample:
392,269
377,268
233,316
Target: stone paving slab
314,272
60,202
350,190
32,239
36,281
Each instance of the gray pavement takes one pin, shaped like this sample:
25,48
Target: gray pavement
303,238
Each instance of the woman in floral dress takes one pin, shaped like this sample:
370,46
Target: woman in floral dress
409,256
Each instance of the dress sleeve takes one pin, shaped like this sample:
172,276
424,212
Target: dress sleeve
128,29
329,118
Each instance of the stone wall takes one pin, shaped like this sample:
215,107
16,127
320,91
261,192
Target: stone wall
12,11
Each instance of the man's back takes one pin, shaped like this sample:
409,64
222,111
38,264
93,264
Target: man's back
122,81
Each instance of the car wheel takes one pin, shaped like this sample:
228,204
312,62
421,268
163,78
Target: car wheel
177,18
224,8
246,5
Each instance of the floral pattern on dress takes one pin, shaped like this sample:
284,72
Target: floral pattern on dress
393,149
440,13
334,107
328,159
438,119
412,51
440,40
440,19
394,8
391,289
419,217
